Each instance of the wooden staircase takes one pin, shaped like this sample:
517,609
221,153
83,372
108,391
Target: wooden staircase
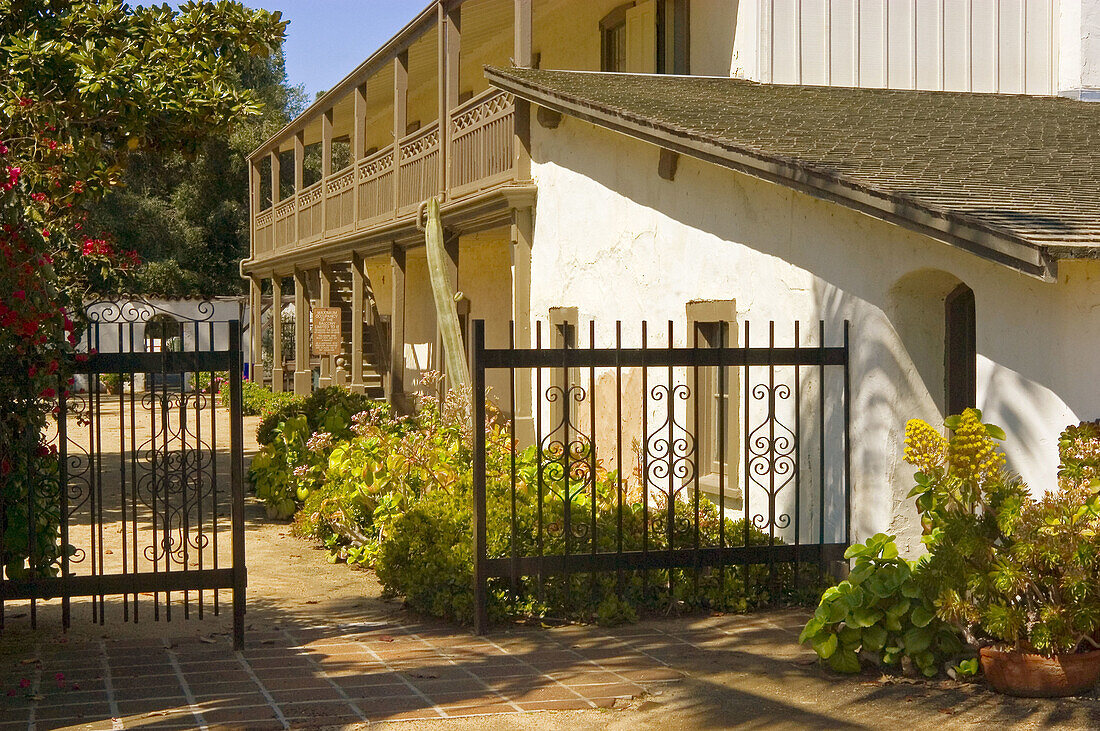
375,355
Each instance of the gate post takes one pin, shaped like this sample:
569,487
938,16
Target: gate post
236,469
481,613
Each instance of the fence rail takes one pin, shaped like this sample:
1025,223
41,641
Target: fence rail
630,444
144,502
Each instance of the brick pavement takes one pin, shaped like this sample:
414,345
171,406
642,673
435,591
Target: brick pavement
301,677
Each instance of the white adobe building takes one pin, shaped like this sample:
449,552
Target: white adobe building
926,169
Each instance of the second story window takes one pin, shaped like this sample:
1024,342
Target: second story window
613,43
645,37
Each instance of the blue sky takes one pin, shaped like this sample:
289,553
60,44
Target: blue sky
326,39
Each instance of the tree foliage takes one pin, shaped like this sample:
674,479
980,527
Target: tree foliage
88,84
187,214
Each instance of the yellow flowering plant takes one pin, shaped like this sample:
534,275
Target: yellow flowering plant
1006,568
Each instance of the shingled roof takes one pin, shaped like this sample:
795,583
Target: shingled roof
1013,178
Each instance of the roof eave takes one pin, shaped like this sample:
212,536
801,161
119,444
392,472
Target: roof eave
957,230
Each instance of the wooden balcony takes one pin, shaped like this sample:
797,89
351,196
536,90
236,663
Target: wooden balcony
391,183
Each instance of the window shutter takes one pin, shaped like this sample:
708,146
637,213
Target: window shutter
641,38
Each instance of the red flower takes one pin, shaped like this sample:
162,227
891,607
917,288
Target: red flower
24,683
25,101
19,294
5,467
42,451
48,393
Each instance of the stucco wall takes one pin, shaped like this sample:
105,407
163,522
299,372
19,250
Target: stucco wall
419,319
618,242
485,277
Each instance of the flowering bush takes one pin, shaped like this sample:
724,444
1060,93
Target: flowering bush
85,83
1007,568
396,495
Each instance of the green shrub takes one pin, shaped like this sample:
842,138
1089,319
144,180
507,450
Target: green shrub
880,613
316,407
397,496
1009,569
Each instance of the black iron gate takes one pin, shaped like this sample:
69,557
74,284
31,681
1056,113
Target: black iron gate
148,502
636,438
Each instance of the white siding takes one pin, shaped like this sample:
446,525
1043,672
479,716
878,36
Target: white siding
1005,46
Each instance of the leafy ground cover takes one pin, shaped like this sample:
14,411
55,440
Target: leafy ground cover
394,493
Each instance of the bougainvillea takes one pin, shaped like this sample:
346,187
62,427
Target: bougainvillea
86,83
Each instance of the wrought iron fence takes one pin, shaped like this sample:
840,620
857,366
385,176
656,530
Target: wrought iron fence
146,503
698,457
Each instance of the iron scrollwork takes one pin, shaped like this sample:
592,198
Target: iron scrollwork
566,470
771,455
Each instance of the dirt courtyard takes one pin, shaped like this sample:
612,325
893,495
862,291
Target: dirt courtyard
325,650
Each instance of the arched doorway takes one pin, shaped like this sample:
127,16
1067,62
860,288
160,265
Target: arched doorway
934,314
960,352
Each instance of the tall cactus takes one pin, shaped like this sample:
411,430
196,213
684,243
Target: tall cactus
446,314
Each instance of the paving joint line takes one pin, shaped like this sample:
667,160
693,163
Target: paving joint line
541,673
336,686
36,686
109,688
192,704
263,689
401,675
451,660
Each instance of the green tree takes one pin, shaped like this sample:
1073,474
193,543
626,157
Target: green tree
87,84
187,215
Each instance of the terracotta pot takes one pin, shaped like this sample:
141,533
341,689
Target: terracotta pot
1035,676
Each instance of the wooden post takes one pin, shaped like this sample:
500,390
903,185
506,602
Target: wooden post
523,42
522,239
358,145
274,157
255,350
357,317
326,301
326,168
400,119
255,199
299,178
521,141
303,374
395,384
276,333
450,44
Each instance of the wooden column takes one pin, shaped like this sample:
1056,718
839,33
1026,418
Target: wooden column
255,350
521,141
255,200
358,145
326,301
450,44
326,167
522,239
299,178
400,118
523,43
357,317
277,333
395,384
303,375
275,173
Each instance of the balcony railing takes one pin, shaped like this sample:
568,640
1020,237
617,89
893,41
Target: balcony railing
480,157
481,142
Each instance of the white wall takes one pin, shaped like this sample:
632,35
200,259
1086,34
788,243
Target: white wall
1079,35
1003,46
618,242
